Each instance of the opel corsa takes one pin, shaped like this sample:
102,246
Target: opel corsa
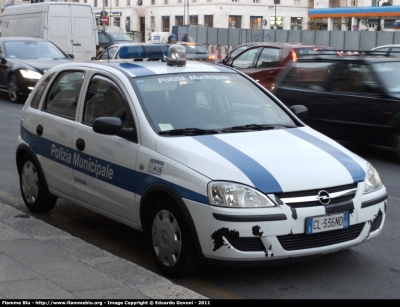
200,157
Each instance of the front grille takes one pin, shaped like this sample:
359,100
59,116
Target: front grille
303,241
303,199
250,244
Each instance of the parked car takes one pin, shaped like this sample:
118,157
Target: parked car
197,52
264,61
351,98
201,158
136,51
23,61
386,50
235,51
107,39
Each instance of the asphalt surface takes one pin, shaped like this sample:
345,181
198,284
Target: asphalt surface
39,261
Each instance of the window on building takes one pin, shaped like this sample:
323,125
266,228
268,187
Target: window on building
153,2
165,23
179,1
335,3
193,1
235,0
193,19
235,21
278,23
116,2
165,1
255,22
209,0
256,1
296,23
152,24
179,20
208,20
105,3
388,23
296,2
128,2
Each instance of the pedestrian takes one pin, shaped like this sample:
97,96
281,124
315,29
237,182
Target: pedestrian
172,39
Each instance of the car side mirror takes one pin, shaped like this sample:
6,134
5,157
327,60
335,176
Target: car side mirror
71,56
93,58
300,111
113,126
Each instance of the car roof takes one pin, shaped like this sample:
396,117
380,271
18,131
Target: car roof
151,68
347,58
384,46
294,45
22,38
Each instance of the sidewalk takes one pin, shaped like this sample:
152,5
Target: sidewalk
39,261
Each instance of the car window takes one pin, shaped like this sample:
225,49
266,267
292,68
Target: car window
104,99
246,59
389,74
108,53
268,58
63,95
395,52
313,76
351,77
120,37
196,49
39,93
102,38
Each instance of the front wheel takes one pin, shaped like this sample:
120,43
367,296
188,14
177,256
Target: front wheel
171,244
13,90
33,187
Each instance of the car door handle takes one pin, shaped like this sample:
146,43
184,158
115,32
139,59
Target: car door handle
80,144
77,44
39,130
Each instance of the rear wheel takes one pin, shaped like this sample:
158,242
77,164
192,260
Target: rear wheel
33,187
171,244
13,90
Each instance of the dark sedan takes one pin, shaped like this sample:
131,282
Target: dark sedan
23,61
354,99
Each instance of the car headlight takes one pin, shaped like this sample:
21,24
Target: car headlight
30,74
235,195
372,180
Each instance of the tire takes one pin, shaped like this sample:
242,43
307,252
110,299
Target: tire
33,187
13,90
170,240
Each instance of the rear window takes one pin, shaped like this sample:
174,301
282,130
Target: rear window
196,49
316,51
312,76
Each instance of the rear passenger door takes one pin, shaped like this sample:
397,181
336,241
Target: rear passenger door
56,128
104,165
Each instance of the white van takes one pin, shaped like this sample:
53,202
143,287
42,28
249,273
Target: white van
71,26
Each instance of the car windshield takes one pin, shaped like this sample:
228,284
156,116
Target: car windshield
32,50
208,102
389,73
121,37
196,49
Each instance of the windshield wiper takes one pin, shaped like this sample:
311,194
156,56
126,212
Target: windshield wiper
255,127
188,131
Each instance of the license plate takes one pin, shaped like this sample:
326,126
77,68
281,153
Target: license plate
327,222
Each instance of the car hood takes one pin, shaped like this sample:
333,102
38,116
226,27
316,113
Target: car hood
272,161
40,65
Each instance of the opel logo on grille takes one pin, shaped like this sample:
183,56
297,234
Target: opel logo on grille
323,197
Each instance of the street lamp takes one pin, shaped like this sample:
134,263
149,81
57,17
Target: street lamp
276,2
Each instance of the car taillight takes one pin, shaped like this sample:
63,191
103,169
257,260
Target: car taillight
294,56
211,58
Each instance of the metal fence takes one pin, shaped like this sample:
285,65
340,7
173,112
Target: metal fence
341,40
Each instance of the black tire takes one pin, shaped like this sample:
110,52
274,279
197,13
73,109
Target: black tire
13,90
33,187
170,240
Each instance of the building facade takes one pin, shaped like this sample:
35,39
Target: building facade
141,17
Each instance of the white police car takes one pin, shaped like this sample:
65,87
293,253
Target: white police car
206,162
